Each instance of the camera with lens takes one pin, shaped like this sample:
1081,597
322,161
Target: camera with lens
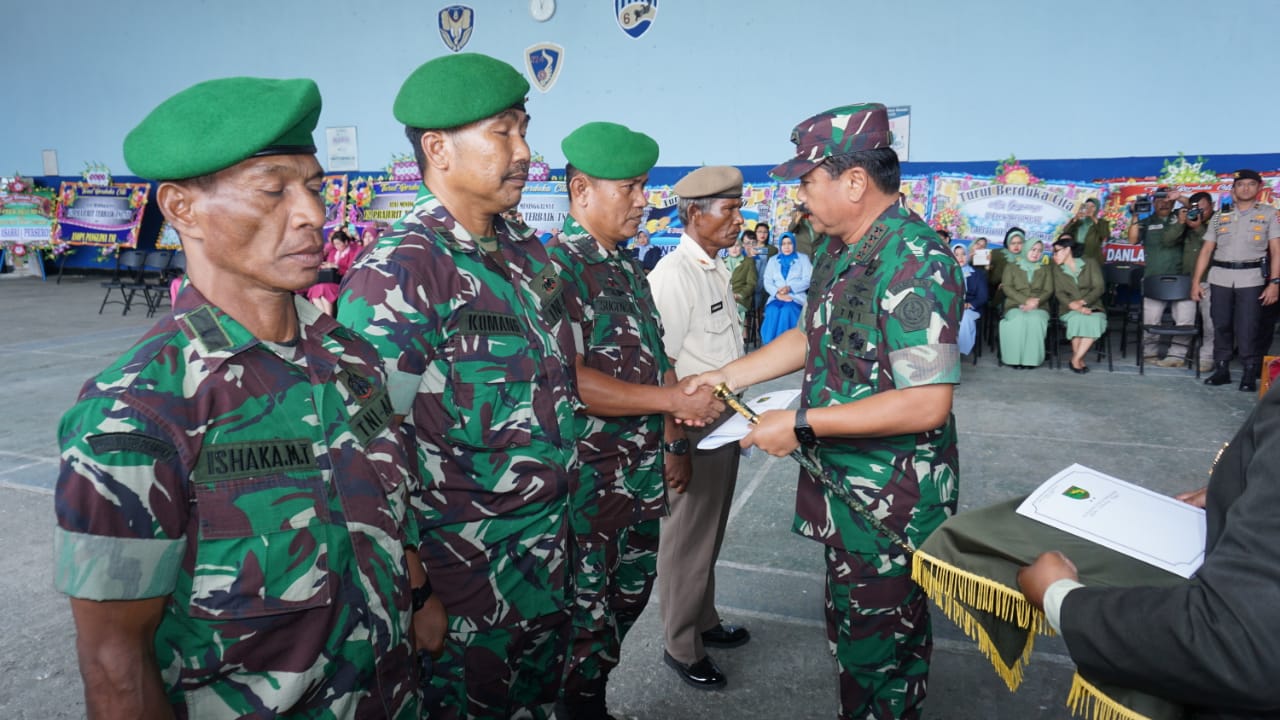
1193,213
1144,203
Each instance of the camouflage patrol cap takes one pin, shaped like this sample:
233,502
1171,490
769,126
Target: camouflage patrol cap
610,151
837,131
217,123
711,181
455,90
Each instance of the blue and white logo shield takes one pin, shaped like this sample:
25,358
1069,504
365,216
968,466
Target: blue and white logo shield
543,62
456,23
635,17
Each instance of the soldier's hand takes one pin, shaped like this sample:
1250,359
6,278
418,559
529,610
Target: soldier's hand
1049,568
1197,293
774,434
1194,498
1270,295
708,379
677,470
430,624
699,409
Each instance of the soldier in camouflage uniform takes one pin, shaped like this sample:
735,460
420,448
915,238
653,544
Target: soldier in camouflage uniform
468,312
627,383
878,347
232,499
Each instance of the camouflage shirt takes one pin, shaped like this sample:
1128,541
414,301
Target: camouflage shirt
883,313
620,478
479,356
260,487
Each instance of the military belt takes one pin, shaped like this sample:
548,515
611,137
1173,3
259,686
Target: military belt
1250,265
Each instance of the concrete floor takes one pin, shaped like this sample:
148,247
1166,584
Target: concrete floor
1017,428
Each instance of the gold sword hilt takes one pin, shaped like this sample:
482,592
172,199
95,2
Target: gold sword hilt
723,393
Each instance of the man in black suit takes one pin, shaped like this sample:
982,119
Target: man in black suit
1212,644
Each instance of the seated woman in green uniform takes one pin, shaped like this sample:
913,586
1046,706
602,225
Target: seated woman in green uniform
1027,286
1078,285
1014,239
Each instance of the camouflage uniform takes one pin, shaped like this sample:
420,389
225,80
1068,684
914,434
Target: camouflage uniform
260,487
479,356
620,493
883,314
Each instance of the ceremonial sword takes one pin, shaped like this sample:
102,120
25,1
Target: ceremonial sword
808,462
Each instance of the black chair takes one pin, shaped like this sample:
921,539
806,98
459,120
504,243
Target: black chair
176,268
125,278
1169,288
1102,346
153,278
1122,283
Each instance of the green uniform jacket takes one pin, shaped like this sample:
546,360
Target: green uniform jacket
1191,249
1088,286
1018,289
1099,232
883,314
743,280
1162,245
261,489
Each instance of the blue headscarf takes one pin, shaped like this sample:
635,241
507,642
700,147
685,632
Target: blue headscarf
785,260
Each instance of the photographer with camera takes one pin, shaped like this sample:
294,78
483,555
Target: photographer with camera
1241,281
1089,231
1195,222
1161,237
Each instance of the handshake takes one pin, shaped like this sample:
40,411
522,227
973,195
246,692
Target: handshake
773,431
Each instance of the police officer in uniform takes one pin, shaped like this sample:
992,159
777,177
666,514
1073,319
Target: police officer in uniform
231,504
691,287
467,311
628,385
877,344
1241,279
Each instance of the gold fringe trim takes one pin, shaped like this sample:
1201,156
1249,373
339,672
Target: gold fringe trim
952,589
1090,702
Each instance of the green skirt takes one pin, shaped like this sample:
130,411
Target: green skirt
1022,337
1089,326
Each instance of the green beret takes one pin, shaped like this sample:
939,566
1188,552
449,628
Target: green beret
712,181
454,90
218,123
610,151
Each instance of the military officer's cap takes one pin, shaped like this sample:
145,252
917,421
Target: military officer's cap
218,123
712,181
454,90
838,131
1248,175
610,151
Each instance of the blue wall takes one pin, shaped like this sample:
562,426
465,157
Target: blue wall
714,82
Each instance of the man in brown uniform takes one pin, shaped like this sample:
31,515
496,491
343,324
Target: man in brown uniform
1236,244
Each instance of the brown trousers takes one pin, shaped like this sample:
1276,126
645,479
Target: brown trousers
690,545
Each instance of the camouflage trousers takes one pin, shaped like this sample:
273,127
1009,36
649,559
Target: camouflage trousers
614,578
504,672
879,629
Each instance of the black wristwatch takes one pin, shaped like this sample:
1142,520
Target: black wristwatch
1274,281
421,594
804,433
677,447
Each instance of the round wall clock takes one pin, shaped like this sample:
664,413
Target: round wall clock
542,10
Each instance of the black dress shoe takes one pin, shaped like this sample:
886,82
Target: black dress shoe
726,636
1221,374
703,674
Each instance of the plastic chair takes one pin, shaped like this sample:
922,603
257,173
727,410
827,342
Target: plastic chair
152,278
1122,281
1169,288
125,278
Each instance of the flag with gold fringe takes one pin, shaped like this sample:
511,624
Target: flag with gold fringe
969,567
